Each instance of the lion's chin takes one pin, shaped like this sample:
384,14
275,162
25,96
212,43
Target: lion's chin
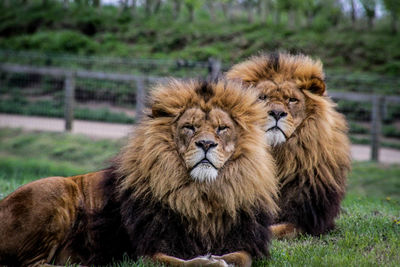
204,173
275,137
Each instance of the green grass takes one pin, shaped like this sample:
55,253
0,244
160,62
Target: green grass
58,148
55,109
367,232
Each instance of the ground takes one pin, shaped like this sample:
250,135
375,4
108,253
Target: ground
367,232
115,130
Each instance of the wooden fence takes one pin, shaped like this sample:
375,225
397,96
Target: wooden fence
378,101
378,104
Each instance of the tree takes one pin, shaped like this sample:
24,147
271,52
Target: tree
96,3
191,6
176,10
353,12
133,7
147,7
369,9
226,8
211,9
263,6
393,7
291,7
311,8
249,5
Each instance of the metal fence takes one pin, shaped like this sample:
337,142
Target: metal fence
114,90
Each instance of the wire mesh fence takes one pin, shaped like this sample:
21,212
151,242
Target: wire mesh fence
114,89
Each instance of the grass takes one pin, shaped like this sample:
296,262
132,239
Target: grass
367,232
55,109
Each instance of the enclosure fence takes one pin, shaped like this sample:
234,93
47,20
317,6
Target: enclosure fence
32,85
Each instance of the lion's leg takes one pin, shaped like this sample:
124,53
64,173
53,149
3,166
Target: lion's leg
285,230
201,261
239,259
35,219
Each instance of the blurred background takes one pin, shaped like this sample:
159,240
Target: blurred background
107,52
85,66
74,75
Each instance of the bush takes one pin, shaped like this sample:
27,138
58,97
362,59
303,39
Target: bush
390,131
53,109
356,128
53,41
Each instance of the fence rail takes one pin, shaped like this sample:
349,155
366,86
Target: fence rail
69,77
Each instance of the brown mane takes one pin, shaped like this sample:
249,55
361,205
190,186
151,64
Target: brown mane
278,66
314,162
153,167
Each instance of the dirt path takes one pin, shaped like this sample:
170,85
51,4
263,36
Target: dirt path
114,130
89,128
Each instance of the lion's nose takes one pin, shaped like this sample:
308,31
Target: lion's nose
277,114
206,144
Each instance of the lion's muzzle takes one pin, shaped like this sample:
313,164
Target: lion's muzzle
205,161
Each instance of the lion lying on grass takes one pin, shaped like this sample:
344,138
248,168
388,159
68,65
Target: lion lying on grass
308,138
195,179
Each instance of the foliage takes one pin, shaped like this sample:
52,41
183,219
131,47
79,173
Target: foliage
316,27
393,8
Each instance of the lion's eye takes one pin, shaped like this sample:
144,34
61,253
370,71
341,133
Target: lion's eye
293,100
262,97
189,127
222,128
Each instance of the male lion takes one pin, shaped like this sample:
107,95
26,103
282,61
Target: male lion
195,179
308,138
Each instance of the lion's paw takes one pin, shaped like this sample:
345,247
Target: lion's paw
206,261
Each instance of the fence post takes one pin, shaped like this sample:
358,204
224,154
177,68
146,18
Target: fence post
140,98
214,68
376,115
69,87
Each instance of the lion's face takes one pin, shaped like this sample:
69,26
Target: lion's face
205,141
286,109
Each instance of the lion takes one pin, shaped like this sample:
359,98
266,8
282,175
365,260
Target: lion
308,139
194,186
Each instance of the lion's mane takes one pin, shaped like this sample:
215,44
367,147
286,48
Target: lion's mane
314,162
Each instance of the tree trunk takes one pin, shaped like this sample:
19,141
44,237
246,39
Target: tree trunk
96,3
147,7
157,6
225,10
65,4
393,22
353,13
292,19
190,8
133,8
250,15
310,19
177,9
210,5
263,11
277,16
123,6
370,23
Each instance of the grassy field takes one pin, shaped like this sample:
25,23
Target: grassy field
367,232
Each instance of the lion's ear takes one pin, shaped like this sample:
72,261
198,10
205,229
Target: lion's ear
314,85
